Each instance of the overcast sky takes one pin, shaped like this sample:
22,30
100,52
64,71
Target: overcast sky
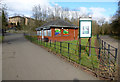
99,8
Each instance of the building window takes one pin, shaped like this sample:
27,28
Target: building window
49,32
45,32
65,32
57,32
40,33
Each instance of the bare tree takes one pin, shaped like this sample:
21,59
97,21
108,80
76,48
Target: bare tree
66,13
57,11
62,13
44,15
37,12
101,21
49,11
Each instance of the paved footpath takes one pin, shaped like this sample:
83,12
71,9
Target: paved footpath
23,60
113,42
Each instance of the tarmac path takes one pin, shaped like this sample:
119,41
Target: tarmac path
23,60
113,42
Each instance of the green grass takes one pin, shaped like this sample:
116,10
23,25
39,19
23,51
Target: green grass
86,60
1,38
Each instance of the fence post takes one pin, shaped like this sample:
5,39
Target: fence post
102,44
50,43
55,45
60,47
41,41
37,40
99,41
115,53
115,67
79,53
109,56
44,42
68,50
99,57
104,47
97,36
30,38
89,46
33,40
99,53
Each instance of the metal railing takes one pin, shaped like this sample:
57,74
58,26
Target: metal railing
102,60
108,59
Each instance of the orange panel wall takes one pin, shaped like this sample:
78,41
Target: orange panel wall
70,36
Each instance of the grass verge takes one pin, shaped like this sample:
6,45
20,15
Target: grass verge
1,38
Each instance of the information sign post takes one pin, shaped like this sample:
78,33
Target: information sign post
85,31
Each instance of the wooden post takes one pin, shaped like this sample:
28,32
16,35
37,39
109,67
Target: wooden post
79,50
89,46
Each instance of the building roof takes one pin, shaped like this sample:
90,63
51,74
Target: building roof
15,17
57,23
21,17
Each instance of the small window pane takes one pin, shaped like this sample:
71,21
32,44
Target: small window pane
57,32
45,32
49,32
65,32
40,33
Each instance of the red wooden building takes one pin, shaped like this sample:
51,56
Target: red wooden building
58,30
